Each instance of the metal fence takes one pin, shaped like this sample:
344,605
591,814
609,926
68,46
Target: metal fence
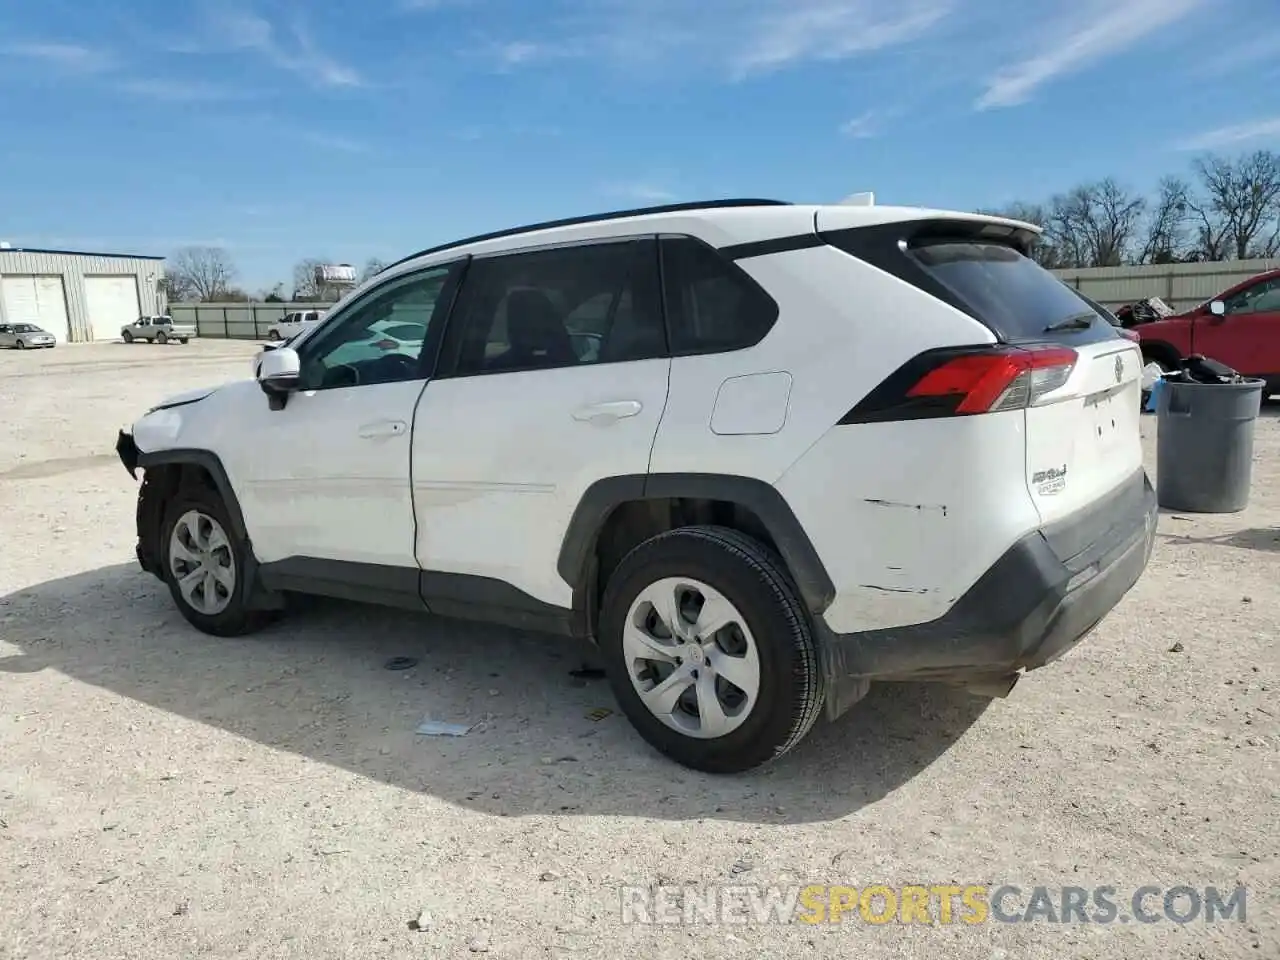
1181,285
236,321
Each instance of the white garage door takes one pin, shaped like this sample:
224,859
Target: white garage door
38,300
112,303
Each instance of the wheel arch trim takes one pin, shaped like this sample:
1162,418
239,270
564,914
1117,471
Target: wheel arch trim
603,497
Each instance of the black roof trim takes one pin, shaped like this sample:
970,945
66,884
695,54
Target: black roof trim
80,253
592,218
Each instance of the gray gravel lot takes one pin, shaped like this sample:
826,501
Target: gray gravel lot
164,794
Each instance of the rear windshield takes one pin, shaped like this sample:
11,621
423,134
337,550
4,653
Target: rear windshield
1011,294
25,328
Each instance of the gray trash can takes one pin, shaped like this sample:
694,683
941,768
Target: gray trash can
1204,450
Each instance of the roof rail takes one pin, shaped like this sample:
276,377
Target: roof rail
592,218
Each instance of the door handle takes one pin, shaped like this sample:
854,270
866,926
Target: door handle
609,411
383,428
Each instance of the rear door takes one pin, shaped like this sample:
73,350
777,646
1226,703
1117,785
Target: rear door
1083,436
553,375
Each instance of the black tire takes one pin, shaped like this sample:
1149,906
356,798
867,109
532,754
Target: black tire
236,620
22,345
162,337
183,341
126,336
754,579
274,336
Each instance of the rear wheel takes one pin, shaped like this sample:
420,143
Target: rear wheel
709,649
183,340
204,562
162,337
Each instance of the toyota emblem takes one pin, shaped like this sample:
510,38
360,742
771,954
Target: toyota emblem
1119,369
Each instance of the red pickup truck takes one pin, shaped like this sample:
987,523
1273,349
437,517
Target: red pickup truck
1240,328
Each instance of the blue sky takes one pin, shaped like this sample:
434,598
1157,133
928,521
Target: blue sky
349,129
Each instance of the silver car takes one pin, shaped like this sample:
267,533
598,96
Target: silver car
23,335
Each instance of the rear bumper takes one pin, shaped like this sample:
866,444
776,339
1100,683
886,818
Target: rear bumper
1033,605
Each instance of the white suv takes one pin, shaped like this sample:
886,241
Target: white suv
760,453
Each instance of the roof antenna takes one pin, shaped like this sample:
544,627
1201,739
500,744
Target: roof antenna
867,199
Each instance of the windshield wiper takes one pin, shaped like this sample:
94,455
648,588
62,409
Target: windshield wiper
1079,321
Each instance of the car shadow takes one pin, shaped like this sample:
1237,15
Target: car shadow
548,740
1266,539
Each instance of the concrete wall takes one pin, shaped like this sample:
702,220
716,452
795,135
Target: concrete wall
236,321
1181,285
74,267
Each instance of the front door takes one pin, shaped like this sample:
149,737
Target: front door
552,376
327,477
1247,338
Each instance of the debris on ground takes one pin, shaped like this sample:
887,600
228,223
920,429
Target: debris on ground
1177,647
439,728
599,713
421,923
401,663
586,672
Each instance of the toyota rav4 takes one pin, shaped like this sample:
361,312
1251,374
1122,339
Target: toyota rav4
761,454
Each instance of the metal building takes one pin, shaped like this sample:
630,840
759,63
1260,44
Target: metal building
78,296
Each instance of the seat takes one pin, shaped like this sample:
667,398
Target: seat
536,334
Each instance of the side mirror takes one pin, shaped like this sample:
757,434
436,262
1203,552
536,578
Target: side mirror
1218,308
278,372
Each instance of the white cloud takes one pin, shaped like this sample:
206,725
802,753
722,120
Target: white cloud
180,91
742,38
1091,33
298,53
641,192
65,56
862,127
1234,135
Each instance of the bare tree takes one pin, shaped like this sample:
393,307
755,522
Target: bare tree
1095,224
1238,212
305,285
204,273
1166,229
372,267
1044,251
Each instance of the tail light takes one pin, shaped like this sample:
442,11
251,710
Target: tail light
964,382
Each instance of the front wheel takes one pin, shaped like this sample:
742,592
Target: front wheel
709,650
204,562
22,345
126,336
183,340
274,336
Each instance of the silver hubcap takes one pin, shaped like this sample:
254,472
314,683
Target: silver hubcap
691,658
202,563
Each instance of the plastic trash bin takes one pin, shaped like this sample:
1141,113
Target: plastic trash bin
1204,449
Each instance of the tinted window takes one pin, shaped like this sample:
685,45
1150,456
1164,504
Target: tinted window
712,305
1260,298
360,348
594,303
1011,294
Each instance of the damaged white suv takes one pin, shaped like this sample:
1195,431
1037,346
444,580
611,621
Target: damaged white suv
762,454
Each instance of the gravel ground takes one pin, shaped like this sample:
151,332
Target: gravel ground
163,794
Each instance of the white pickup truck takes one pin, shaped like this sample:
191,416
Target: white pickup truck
159,329
292,324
